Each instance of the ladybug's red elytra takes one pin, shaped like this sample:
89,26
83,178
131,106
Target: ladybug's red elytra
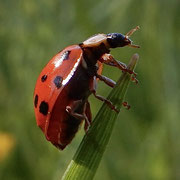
64,85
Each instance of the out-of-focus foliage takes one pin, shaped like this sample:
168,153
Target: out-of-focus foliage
146,140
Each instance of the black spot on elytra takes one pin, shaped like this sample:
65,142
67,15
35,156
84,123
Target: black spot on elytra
66,55
43,108
36,101
58,81
43,78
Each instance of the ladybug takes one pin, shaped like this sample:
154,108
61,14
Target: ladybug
70,77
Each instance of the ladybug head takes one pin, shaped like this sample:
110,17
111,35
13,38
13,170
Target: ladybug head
119,40
112,40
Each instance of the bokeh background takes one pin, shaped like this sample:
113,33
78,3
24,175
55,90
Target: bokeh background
145,143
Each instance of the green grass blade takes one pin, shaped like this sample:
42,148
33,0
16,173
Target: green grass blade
88,156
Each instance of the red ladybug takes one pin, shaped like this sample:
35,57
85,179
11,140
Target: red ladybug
64,85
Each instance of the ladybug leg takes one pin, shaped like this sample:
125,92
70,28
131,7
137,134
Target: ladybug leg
110,83
86,114
89,117
72,107
74,114
101,98
126,105
109,60
109,103
99,76
100,67
107,80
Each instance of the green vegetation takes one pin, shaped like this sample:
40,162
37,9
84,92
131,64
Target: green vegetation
145,143
88,156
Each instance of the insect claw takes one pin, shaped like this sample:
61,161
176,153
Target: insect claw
126,105
68,109
133,78
130,72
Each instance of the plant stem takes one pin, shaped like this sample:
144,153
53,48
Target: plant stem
88,155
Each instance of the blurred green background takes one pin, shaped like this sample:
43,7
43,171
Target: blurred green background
146,139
